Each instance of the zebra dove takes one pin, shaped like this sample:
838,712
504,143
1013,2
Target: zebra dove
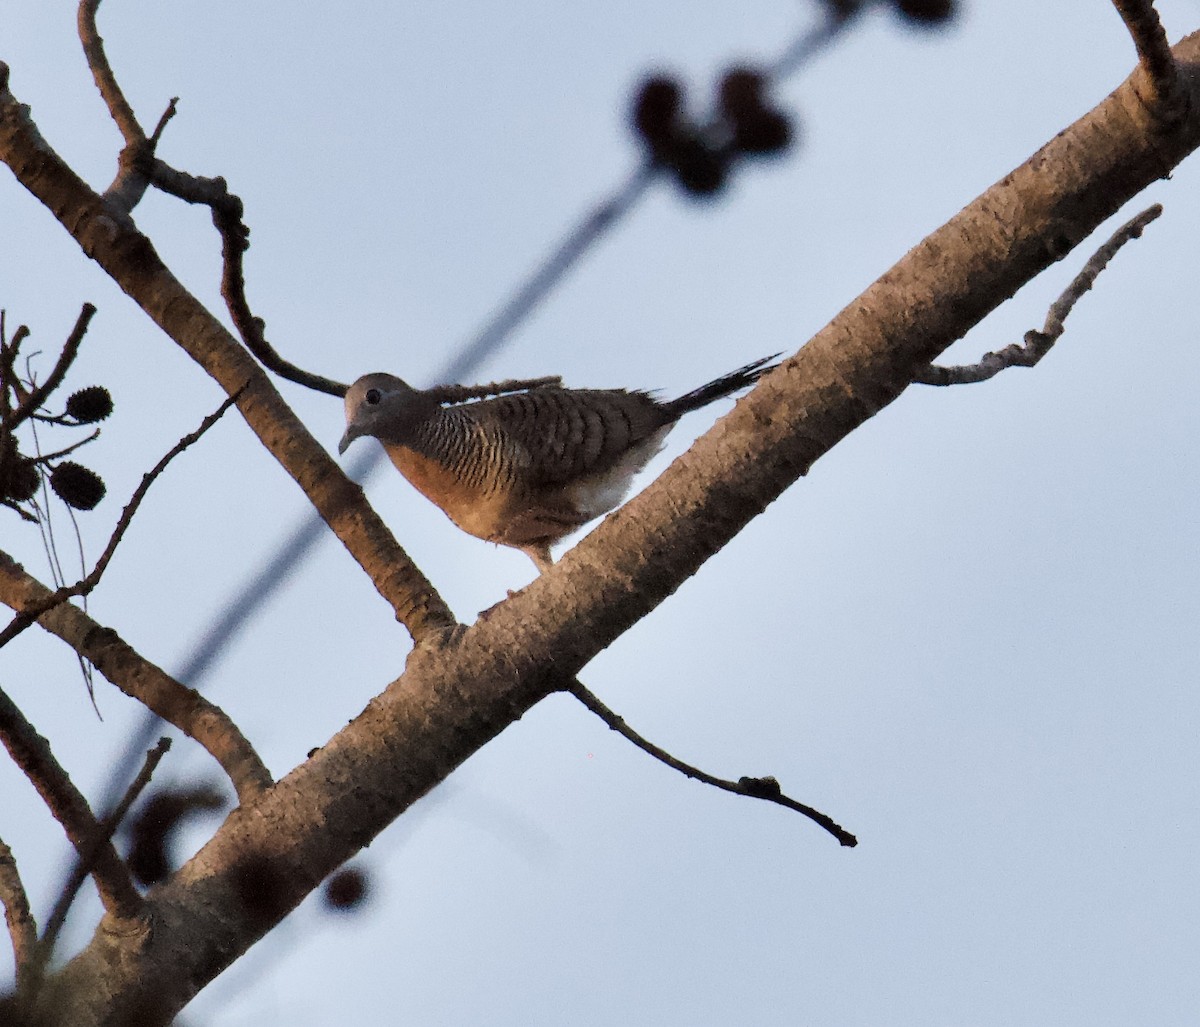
534,462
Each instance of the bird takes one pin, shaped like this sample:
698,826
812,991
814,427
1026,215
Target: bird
523,463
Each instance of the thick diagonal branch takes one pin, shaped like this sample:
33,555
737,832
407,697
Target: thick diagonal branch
31,753
179,706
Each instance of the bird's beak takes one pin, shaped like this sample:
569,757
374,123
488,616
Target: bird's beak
352,433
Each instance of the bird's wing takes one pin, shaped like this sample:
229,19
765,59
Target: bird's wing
561,435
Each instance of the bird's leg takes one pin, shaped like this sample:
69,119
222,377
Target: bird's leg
542,559
540,555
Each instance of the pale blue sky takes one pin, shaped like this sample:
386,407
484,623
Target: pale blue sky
969,635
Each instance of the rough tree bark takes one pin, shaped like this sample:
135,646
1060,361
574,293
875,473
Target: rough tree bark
464,684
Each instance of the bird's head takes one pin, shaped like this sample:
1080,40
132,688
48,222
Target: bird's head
385,407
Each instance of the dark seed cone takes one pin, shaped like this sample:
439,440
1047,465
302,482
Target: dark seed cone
90,405
21,479
757,126
153,829
76,486
699,169
928,12
741,91
764,132
346,889
843,9
656,112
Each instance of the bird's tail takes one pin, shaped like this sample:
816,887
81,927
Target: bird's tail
723,386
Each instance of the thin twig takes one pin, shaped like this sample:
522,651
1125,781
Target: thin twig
31,752
106,81
137,155
22,928
755,787
167,115
811,42
107,828
1038,343
37,396
25,515
1162,92
235,240
43,458
85,585
227,215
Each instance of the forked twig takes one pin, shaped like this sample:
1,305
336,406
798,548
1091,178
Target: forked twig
38,395
1038,344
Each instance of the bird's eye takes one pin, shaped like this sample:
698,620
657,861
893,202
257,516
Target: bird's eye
373,396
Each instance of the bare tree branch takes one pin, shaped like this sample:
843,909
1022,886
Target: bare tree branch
130,183
1160,89
31,752
107,828
235,240
22,928
166,116
179,706
106,81
86,584
227,214
808,44
42,458
1038,344
755,787
37,396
